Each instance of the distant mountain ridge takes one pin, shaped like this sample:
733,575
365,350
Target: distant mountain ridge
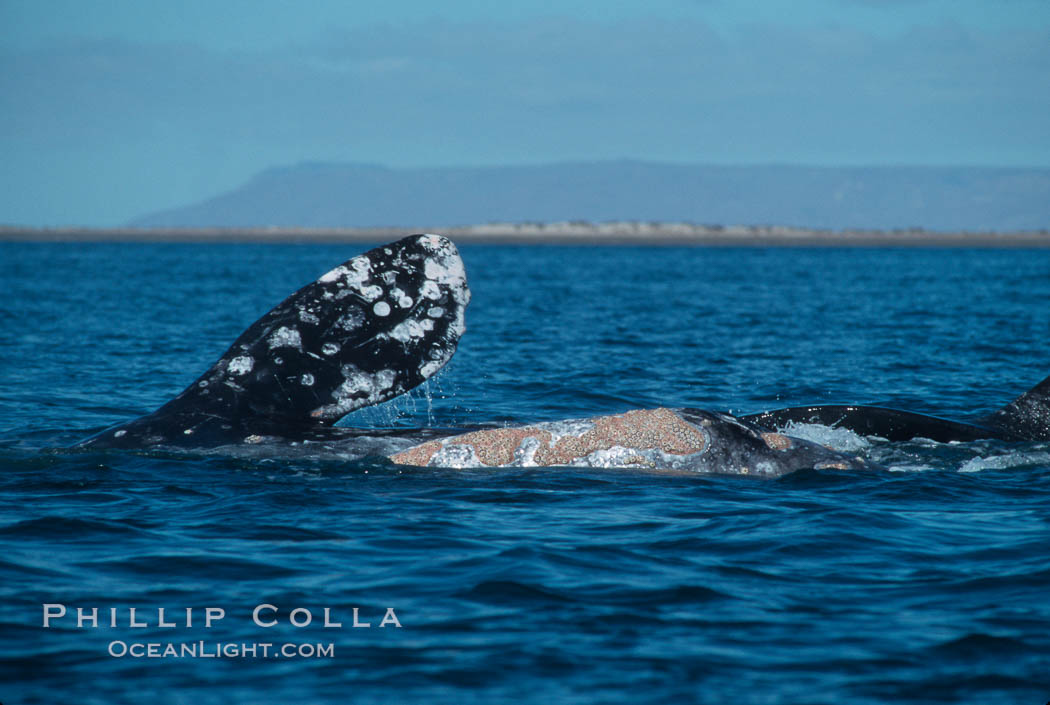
365,195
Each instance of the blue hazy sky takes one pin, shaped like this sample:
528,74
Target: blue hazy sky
114,109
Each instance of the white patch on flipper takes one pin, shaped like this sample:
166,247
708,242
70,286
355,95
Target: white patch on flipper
385,379
406,330
285,337
448,272
240,365
120,433
354,384
434,270
444,266
332,275
430,290
432,242
371,293
443,292
353,276
358,389
430,368
352,319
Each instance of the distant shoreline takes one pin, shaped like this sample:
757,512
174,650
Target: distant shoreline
566,233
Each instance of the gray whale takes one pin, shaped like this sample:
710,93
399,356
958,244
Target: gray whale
384,321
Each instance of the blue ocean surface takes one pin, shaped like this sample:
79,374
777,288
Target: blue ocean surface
927,582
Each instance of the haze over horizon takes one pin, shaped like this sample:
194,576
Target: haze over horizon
116,109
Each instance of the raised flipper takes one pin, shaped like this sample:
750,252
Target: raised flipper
1027,418
368,330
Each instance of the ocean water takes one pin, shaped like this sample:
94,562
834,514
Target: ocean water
925,583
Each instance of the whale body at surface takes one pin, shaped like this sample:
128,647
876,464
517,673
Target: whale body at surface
384,321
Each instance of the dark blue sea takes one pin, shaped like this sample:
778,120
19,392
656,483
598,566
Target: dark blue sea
928,582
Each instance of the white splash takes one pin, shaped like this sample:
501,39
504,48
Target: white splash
382,308
840,439
330,348
1007,460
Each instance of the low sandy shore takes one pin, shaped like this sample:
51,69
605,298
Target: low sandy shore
575,233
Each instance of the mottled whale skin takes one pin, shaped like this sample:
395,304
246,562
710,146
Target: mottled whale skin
366,331
383,322
686,440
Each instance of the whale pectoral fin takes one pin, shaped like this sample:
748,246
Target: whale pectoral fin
370,329
1027,417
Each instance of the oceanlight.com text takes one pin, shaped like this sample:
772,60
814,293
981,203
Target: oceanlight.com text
231,650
